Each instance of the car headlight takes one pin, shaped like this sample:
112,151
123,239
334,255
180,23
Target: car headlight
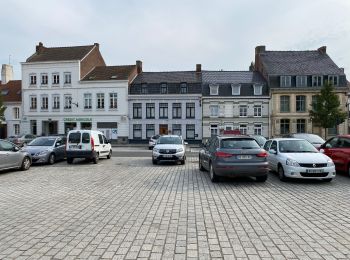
179,150
156,150
42,152
292,162
330,163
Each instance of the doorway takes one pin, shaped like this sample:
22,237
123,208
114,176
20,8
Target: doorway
163,129
50,128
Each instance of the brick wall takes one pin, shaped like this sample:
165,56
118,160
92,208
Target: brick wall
92,60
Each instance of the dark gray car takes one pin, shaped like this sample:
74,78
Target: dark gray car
234,156
47,149
11,157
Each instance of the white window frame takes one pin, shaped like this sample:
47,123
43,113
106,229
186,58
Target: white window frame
87,101
42,81
236,90
214,90
257,129
33,100
113,100
69,76
56,102
16,128
32,79
286,81
212,109
16,112
258,90
257,110
245,114
44,102
228,126
315,79
301,81
100,101
214,129
331,79
243,128
67,101
55,79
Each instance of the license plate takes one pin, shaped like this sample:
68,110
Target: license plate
244,157
314,170
74,147
167,155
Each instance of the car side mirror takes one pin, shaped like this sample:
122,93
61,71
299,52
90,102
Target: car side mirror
58,144
15,149
273,151
326,146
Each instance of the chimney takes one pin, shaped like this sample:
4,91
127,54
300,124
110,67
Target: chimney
6,73
342,70
139,66
258,50
198,68
97,45
251,67
39,47
322,50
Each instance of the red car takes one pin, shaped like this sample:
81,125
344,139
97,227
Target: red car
338,149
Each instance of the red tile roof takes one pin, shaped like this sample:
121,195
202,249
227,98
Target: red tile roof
11,92
110,73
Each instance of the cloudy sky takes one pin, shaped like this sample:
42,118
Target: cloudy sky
175,35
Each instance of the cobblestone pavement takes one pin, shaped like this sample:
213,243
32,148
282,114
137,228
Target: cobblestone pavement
126,208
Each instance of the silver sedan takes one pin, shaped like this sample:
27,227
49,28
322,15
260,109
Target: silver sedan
11,157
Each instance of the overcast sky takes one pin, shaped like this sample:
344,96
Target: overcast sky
175,35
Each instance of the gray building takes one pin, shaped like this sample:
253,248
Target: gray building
235,100
166,103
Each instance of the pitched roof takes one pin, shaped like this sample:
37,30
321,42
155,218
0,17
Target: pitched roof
110,73
60,53
232,77
299,63
11,92
168,77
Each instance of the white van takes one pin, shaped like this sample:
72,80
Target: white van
88,144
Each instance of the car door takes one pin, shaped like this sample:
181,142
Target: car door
59,148
102,145
341,153
107,144
329,148
205,154
273,158
11,155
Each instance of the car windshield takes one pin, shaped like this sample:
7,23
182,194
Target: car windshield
314,139
296,146
169,140
239,143
42,141
260,139
74,138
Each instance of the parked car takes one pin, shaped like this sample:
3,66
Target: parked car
297,158
21,140
152,141
169,148
260,139
47,149
11,157
338,148
234,156
88,144
315,140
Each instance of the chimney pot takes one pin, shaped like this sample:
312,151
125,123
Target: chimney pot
198,67
259,49
39,47
322,50
139,66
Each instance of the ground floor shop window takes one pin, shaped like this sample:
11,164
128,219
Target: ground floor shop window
69,126
243,129
190,131
137,131
49,127
85,125
33,127
177,129
150,130
110,129
285,126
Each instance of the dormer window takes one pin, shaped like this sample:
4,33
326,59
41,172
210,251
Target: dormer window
144,89
183,88
333,79
163,88
286,81
257,90
317,81
301,81
214,90
236,90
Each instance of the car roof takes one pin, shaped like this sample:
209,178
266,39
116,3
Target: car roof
234,136
170,136
286,139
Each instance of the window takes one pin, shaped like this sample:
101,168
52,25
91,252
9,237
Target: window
56,102
317,81
284,104
113,100
284,126
67,101
190,110
190,131
163,110
44,102
137,131
257,110
213,130
44,79
150,131
137,110
243,111
17,130
243,129
87,101
55,78
214,90
301,81
314,102
33,103
33,127
177,110
332,130
257,90
16,112
150,109
257,129
183,88
177,129
163,88
144,89
236,90
301,126
333,80
300,103
67,78
214,110
100,100
286,81
32,79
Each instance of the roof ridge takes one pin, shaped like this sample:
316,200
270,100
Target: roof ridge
63,47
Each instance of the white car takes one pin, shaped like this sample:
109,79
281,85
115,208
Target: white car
169,148
152,141
297,158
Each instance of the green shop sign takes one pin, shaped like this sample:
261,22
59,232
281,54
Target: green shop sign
77,119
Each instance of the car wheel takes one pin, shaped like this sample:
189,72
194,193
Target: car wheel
70,160
183,161
109,155
213,176
154,162
52,159
96,158
200,166
281,173
25,164
327,180
261,178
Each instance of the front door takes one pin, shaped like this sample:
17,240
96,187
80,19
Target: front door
163,129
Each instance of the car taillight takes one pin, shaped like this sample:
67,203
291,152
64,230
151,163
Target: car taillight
262,154
92,142
223,154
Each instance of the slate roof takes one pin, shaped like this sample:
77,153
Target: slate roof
232,77
11,92
298,63
60,53
168,77
110,73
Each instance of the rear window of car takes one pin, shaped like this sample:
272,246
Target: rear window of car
85,139
74,138
239,143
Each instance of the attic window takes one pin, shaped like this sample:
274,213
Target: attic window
257,90
214,90
236,90
4,92
114,77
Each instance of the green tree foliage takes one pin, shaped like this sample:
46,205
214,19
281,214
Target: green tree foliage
2,110
326,111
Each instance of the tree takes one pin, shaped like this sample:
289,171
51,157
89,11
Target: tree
2,111
326,111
